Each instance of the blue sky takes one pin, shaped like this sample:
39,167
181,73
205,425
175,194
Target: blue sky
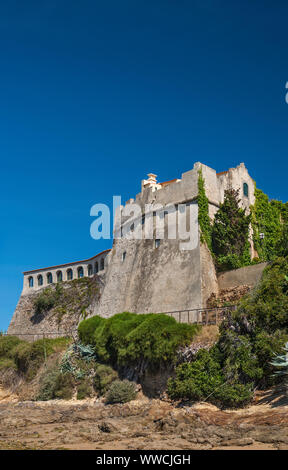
94,95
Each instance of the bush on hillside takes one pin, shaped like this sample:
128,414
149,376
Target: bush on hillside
55,385
6,363
121,392
29,357
129,338
203,379
266,308
104,376
7,344
47,299
86,329
84,389
48,384
248,341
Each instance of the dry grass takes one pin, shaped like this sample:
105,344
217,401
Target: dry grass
208,335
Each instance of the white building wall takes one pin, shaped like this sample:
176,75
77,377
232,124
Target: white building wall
63,268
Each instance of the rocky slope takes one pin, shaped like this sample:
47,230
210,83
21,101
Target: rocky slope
71,302
142,424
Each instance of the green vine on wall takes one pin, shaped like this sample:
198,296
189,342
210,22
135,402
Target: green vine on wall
203,212
228,236
269,218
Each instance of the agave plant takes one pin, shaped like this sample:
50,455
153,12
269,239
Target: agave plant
86,351
281,362
67,365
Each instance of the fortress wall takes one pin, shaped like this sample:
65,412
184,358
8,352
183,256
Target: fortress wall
211,183
153,279
235,178
249,275
63,318
209,281
139,276
177,192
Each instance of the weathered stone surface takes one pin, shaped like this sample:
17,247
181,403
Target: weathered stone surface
77,300
142,277
141,424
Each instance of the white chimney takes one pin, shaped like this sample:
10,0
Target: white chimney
151,182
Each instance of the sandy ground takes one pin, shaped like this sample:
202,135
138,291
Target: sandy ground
142,424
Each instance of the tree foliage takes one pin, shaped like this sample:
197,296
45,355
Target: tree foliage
129,338
249,340
230,233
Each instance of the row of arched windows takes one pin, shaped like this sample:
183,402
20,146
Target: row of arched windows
69,274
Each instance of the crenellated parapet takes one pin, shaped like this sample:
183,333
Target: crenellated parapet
158,271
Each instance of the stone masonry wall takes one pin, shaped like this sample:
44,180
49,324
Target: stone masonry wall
139,276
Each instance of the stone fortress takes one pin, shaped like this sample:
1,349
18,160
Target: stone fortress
154,274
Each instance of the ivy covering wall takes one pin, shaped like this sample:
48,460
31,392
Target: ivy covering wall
271,219
227,236
203,212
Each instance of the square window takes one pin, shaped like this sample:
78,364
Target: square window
157,243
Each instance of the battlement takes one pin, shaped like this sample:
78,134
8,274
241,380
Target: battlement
152,274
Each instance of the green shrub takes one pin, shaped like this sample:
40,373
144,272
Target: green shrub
129,338
84,389
103,378
6,363
30,356
7,344
86,329
203,379
156,339
266,346
54,384
235,395
266,308
48,384
238,359
198,379
121,392
47,299
228,262
242,358
64,386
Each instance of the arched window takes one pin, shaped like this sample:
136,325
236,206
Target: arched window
80,272
59,276
90,270
40,280
30,281
245,190
102,264
96,267
69,274
49,278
